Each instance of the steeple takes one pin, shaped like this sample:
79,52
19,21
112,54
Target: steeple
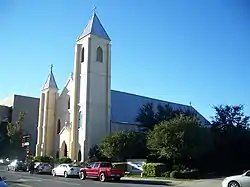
94,27
50,82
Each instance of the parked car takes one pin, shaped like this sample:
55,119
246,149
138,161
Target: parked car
237,180
101,170
16,165
2,182
66,170
41,167
4,161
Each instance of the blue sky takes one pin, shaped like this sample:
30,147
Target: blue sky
174,50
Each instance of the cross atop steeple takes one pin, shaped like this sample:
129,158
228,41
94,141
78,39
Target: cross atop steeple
51,67
94,27
50,82
94,10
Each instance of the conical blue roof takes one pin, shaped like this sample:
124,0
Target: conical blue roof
94,27
50,82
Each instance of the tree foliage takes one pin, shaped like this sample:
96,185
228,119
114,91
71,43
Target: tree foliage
122,145
230,116
150,115
230,127
178,139
95,154
4,139
14,131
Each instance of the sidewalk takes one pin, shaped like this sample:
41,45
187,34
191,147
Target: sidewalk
191,183
155,181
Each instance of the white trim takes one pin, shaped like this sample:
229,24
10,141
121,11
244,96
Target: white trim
62,130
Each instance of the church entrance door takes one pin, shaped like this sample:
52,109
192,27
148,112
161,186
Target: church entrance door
64,150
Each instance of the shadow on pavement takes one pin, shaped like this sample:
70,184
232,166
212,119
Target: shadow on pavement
148,182
14,182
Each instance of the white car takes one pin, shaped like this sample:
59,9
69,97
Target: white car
237,180
66,170
2,182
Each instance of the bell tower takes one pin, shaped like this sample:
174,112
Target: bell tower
46,121
92,87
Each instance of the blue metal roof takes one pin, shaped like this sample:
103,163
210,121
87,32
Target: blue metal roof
125,107
50,82
94,27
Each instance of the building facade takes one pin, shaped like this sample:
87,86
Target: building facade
12,106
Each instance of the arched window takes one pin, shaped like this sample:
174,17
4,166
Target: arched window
80,120
99,54
58,126
65,152
69,103
82,55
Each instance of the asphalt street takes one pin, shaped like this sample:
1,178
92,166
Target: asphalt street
24,179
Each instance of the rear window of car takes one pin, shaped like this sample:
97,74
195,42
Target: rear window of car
106,165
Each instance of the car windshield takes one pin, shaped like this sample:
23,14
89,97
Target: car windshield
73,165
106,165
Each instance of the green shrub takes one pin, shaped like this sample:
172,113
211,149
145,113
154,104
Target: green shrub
65,160
166,174
46,159
175,174
153,169
120,165
192,174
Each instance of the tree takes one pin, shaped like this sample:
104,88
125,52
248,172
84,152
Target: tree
124,144
149,115
95,154
180,139
4,139
14,131
146,116
230,116
230,128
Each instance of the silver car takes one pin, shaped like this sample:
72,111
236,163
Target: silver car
41,167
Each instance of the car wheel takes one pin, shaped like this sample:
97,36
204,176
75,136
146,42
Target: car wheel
102,177
233,184
65,174
82,175
53,173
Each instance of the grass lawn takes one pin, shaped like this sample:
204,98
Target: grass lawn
159,178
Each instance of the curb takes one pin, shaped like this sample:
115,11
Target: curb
154,180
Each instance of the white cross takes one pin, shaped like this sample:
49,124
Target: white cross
94,9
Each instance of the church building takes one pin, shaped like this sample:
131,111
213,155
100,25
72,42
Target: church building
71,122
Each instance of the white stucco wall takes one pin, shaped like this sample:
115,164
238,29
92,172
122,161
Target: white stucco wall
64,115
94,94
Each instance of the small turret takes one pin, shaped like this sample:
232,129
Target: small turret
47,113
50,82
